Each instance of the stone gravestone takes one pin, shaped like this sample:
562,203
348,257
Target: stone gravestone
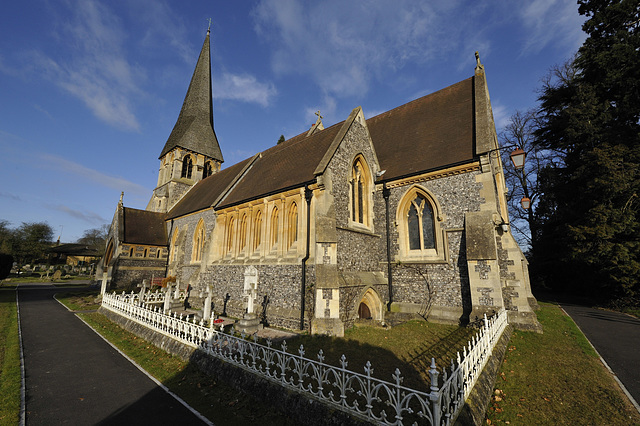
250,322
250,287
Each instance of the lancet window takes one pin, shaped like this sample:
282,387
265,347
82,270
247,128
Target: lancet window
242,242
257,230
198,242
187,167
273,240
230,234
360,193
292,225
208,170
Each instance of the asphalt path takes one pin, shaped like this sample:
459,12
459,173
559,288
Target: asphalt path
72,376
616,337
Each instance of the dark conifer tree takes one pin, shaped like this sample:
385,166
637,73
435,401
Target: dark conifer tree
590,110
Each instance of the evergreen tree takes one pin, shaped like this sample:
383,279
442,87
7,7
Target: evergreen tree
590,110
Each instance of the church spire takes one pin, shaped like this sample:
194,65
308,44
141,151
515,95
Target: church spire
194,128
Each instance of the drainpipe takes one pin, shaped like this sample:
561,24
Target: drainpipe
386,192
308,195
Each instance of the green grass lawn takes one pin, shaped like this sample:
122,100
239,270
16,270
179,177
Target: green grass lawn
556,378
408,347
79,300
10,376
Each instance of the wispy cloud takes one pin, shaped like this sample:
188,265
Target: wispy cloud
85,216
10,196
343,45
60,164
93,67
552,22
164,27
243,87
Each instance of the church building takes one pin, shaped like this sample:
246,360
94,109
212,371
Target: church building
381,218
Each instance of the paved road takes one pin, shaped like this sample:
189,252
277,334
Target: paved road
616,337
75,377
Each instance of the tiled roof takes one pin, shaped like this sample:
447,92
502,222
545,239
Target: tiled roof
144,227
207,191
283,166
431,132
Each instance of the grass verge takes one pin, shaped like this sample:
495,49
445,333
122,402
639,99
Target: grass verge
79,300
556,378
10,376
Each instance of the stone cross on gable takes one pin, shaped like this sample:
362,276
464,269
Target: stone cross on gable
318,114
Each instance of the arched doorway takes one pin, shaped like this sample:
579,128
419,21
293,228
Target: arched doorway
370,306
363,311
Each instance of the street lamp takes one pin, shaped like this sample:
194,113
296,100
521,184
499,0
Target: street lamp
525,203
517,158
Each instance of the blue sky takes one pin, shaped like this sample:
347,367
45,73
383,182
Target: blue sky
90,90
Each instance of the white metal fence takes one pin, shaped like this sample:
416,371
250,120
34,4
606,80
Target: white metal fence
359,394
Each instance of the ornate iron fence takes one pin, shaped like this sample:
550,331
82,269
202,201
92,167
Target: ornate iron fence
359,394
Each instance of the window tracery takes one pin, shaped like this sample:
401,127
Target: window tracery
419,231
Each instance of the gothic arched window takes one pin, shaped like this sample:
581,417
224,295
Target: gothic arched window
243,233
187,167
208,170
257,230
198,242
419,231
173,255
420,224
360,183
273,240
292,225
230,234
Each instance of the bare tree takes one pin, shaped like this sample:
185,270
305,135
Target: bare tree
519,133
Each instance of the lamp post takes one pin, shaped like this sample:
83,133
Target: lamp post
517,158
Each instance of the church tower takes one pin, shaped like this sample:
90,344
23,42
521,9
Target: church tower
192,151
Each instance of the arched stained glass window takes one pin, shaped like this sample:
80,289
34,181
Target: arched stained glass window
360,191
420,224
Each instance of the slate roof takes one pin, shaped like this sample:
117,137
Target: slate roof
143,227
206,192
429,133
194,128
73,249
289,164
